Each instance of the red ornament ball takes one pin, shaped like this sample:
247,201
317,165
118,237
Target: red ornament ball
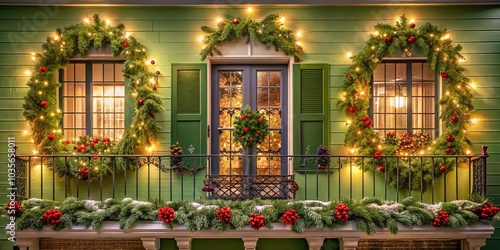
347,75
235,21
410,39
43,69
378,155
258,132
259,120
454,119
381,168
449,138
443,169
246,129
140,102
366,118
368,123
412,25
444,75
124,44
388,39
153,62
448,150
51,137
166,214
67,142
251,138
157,72
242,117
83,173
44,104
352,109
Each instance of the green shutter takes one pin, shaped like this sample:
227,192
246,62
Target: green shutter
189,113
310,107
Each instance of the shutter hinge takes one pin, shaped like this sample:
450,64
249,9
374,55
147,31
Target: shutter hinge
208,130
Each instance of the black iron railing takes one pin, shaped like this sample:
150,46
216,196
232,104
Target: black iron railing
191,177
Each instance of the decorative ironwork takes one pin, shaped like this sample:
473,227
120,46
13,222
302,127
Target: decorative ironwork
237,187
21,180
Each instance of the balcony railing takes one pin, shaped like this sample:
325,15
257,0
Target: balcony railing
190,177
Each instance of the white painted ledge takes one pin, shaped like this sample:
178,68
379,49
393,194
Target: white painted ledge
150,231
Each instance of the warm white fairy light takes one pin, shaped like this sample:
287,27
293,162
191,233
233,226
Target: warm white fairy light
468,152
86,20
349,55
127,34
25,132
27,72
473,121
108,21
472,85
282,19
299,34
249,9
218,20
201,38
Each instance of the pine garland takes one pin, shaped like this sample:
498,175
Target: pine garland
40,103
456,104
368,214
269,32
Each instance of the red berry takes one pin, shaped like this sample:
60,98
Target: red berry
410,39
44,104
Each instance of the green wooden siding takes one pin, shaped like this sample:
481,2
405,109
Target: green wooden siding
328,32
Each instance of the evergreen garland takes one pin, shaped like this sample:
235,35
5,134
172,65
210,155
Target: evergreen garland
269,32
368,214
40,103
456,104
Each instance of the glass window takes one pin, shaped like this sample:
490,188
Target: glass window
404,98
93,99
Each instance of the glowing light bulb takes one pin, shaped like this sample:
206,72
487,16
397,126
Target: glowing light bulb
201,38
249,9
468,152
108,21
25,132
299,34
473,121
86,20
218,20
27,72
349,55
282,19
472,85
352,150
35,152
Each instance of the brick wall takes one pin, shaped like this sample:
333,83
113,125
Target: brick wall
87,244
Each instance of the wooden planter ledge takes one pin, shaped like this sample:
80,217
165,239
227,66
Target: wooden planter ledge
473,237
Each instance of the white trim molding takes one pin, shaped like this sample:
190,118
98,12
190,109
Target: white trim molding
473,237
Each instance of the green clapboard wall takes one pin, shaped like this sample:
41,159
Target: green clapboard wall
328,33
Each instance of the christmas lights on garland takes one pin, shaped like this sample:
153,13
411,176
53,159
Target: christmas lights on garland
456,104
368,214
269,32
40,106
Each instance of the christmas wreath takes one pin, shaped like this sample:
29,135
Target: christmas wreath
456,103
40,103
250,128
269,32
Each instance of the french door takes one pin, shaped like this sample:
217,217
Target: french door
264,89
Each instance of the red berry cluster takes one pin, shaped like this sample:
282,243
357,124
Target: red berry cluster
166,214
290,217
442,219
52,216
390,138
341,212
13,205
87,144
411,143
488,211
224,214
256,221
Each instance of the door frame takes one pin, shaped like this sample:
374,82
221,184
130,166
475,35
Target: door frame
250,70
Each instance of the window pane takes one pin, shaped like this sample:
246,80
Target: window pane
69,72
262,97
119,72
109,73
262,78
80,72
97,72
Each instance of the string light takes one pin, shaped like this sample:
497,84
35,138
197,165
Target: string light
25,132
472,85
349,55
299,34
473,121
218,20
27,72
86,20
108,21
249,9
201,38
282,19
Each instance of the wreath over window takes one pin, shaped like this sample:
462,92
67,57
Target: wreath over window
269,32
40,103
250,128
456,104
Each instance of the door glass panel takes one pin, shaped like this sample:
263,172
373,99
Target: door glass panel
230,105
